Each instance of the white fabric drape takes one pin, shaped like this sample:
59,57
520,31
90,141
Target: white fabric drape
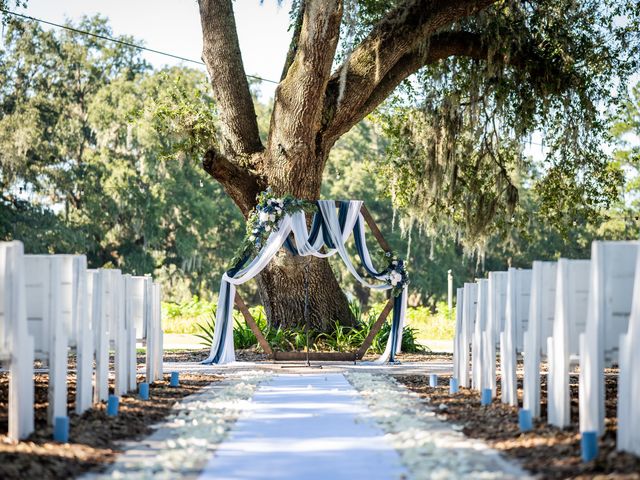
403,311
227,294
296,223
328,210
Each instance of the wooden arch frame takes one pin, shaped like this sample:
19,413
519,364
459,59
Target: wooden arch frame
326,356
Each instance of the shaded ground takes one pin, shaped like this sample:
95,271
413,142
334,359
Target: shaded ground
93,436
548,451
249,355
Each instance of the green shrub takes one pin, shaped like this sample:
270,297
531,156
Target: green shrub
206,330
185,317
341,339
421,324
243,336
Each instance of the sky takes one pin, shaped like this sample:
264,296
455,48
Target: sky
173,26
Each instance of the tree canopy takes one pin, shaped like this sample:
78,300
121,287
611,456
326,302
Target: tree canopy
101,154
87,158
458,128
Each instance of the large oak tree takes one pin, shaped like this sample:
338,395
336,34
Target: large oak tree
531,64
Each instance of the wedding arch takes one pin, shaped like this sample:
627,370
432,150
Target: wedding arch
279,222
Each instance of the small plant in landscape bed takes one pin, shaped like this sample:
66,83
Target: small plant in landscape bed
342,338
243,336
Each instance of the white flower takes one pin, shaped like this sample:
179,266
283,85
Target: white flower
280,202
272,217
278,209
252,237
263,217
197,425
394,263
428,447
395,277
267,228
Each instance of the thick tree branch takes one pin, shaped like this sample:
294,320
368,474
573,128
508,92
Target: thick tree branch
439,47
399,33
295,39
240,184
299,98
523,56
221,54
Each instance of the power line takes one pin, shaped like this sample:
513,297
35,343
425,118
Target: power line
120,42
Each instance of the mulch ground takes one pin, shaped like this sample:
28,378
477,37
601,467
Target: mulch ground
93,436
547,451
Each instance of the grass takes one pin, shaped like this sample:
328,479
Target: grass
185,317
438,326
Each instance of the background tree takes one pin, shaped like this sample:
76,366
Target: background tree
489,74
88,134
626,131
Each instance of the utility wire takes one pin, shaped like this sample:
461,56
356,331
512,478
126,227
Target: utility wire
120,42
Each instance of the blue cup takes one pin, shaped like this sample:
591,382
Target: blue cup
143,390
524,420
453,385
486,397
589,446
61,429
433,380
175,380
112,405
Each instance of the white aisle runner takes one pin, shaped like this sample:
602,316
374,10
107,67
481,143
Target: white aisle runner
305,427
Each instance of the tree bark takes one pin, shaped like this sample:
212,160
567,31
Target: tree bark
282,291
221,54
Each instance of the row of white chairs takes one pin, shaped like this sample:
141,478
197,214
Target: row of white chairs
569,312
50,304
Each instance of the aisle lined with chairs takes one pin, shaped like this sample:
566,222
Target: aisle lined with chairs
53,305
572,313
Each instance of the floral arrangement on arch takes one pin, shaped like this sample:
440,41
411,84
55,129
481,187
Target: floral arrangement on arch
265,218
397,275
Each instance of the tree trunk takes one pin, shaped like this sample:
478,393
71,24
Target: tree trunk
312,108
281,283
282,290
